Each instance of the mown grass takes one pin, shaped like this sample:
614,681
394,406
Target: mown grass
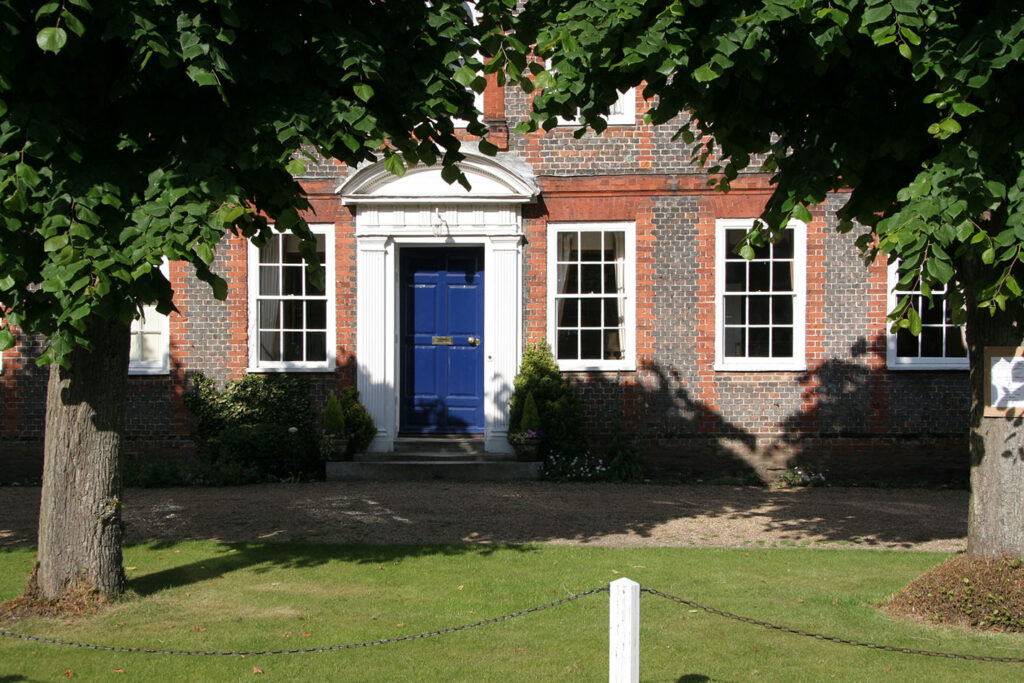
282,596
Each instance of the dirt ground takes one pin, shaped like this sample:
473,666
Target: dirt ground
534,512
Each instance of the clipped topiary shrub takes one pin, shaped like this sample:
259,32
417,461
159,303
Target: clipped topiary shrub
332,419
358,422
531,417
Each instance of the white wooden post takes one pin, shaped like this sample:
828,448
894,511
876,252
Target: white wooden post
624,631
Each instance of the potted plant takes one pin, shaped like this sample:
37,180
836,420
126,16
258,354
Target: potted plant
526,441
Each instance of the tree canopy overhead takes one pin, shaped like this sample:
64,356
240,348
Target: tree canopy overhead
141,129
910,104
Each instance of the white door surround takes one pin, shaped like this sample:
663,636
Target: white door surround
421,209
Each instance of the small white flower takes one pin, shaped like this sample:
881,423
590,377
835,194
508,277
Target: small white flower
293,430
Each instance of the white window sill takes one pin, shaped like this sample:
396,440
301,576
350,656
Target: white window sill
761,365
576,366
958,364
264,369
147,372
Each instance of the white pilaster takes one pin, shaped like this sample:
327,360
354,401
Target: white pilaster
502,336
374,326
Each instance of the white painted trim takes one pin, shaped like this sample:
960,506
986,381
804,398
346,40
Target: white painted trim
623,112
381,232
491,181
253,284
162,365
798,361
628,362
895,362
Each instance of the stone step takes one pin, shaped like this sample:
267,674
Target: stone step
435,456
452,470
439,444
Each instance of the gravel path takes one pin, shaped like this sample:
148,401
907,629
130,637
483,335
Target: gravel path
589,514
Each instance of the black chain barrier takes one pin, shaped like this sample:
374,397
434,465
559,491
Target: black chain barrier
831,639
513,615
305,650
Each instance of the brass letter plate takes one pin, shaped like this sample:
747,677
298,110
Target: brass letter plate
441,341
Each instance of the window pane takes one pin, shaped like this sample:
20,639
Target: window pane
590,344
293,350
758,342
782,276
291,249
270,343
316,346
611,278
611,312
292,280
567,246
591,246
759,277
782,310
612,345
590,313
568,341
735,309
271,251
270,315
931,342
955,343
783,247
735,342
906,344
758,309
293,315
568,312
567,282
763,252
782,342
316,315
152,346
931,311
321,248
270,280
736,277
615,246
733,238
135,347
590,279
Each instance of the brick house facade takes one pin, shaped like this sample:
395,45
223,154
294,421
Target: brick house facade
715,365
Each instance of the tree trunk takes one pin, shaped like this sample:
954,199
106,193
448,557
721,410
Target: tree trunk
80,525
995,525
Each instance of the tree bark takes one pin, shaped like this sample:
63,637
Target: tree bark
995,526
80,527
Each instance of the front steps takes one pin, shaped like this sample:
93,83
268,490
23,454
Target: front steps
434,458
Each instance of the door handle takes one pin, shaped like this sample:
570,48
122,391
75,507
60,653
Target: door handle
474,341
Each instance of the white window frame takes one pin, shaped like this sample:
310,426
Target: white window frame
162,364
478,97
330,286
796,362
628,360
622,113
896,362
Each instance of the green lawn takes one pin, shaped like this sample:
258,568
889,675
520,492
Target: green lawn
282,596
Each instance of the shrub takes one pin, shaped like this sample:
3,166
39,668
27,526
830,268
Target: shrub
358,422
558,412
623,461
531,418
333,417
257,428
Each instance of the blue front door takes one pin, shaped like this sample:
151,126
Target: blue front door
442,320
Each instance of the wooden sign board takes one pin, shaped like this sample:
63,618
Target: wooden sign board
1004,381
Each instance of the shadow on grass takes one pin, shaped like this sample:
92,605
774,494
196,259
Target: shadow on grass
264,557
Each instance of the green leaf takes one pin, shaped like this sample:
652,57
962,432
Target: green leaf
204,252
55,243
747,252
465,76
363,91
27,174
704,74
988,256
801,213
219,286
914,321
51,39
6,339
487,148
395,165
295,167
201,76
904,50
